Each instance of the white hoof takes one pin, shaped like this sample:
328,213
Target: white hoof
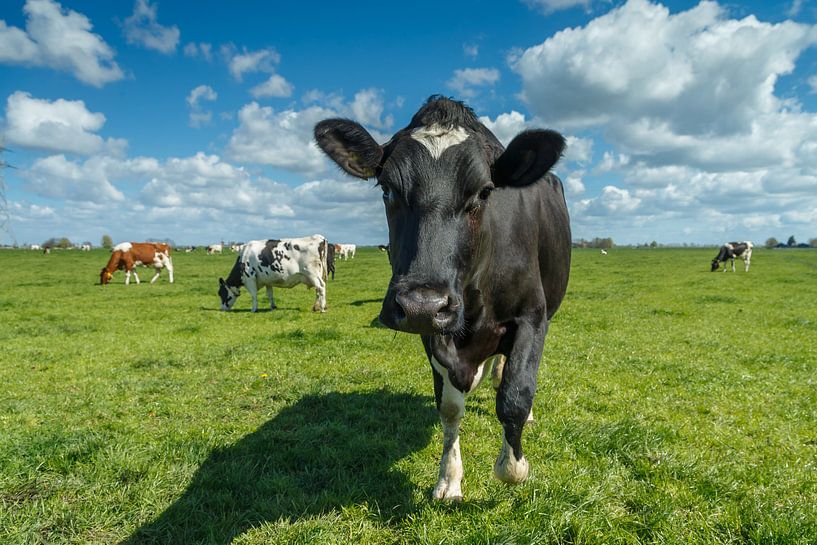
508,469
445,491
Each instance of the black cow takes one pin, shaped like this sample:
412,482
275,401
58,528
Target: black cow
730,251
479,241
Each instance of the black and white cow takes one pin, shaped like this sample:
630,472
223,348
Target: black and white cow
479,241
730,251
277,263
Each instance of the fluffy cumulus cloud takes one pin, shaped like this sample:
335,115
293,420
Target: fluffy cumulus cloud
247,62
57,177
143,28
687,101
275,86
281,139
467,81
200,116
57,126
190,198
61,39
284,138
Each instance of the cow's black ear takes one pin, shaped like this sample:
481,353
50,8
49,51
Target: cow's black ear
220,281
350,146
529,156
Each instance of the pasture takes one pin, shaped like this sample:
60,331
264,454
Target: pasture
675,405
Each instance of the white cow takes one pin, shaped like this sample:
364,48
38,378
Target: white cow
277,263
215,249
347,251
35,247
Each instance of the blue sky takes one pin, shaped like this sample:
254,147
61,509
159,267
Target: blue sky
686,121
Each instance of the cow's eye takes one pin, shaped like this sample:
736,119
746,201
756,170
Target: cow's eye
485,192
386,192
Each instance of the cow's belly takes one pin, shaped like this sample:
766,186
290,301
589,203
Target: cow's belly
280,280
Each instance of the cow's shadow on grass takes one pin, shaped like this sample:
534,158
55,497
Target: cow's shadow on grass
322,453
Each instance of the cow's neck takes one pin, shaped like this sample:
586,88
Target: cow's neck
463,353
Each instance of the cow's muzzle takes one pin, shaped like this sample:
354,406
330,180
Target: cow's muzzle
422,310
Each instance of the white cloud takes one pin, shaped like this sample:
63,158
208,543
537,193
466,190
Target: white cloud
58,126
506,126
574,185
466,80
59,39
143,28
58,178
579,150
263,60
687,103
198,115
470,50
201,49
549,6
367,108
282,139
275,86
202,92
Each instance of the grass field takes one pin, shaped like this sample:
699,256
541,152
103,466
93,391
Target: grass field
675,406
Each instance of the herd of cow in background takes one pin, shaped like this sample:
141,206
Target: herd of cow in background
260,264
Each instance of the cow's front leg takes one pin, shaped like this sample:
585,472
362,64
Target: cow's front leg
136,277
451,406
514,399
156,276
252,289
320,294
733,264
496,377
271,298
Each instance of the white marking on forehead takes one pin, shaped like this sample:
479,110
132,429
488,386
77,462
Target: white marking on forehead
437,138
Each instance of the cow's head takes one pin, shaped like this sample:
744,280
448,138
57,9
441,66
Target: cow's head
716,264
228,294
437,177
105,276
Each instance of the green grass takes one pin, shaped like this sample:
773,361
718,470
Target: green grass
675,406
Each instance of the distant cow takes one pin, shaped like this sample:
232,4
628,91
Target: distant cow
347,251
36,247
215,249
479,240
330,260
603,251
730,251
277,263
127,255
85,247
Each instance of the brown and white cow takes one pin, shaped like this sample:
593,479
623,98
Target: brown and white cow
127,255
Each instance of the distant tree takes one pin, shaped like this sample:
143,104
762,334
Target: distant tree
653,244
50,243
812,242
791,243
771,242
64,243
107,242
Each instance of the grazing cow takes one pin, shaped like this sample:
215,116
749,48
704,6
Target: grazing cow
603,251
127,255
85,247
215,249
277,263
479,240
347,251
730,251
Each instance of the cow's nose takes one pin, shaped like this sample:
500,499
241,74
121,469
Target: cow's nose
427,309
